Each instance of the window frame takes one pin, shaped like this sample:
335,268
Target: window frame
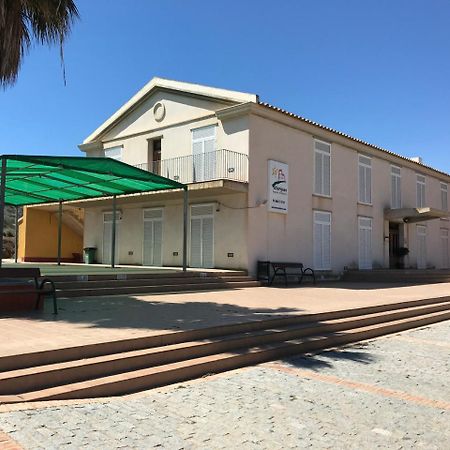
116,147
423,194
322,153
364,166
444,195
398,176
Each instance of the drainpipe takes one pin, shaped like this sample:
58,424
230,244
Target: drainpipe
16,226
113,237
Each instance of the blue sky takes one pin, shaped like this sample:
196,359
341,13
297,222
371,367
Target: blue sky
376,69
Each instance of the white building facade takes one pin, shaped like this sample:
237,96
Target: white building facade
264,184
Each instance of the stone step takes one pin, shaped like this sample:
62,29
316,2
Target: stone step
141,275
150,289
156,281
398,276
150,377
32,359
46,376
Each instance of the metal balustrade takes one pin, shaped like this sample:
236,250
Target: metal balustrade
216,165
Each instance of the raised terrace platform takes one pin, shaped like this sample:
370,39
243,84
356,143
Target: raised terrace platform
115,344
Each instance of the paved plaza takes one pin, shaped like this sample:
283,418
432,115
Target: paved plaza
391,392
101,319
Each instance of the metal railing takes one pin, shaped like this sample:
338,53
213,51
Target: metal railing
216,165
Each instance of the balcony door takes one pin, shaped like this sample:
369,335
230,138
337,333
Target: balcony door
153,229
203,153
202,236
421,246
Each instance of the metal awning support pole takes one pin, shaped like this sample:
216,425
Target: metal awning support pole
113,237
185,226
2,205
16,234
59,231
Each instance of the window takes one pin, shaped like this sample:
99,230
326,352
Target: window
365,179
322,240
365,242
444,197
420,189
322,168
396,187
114,153
203,151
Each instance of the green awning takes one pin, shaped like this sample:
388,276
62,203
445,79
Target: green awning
48,179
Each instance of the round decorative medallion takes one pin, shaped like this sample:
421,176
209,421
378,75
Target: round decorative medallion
159,111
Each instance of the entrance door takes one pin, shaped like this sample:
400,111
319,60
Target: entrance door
421,247
107,237
394,245
153,225
445,249
365,243
202,236
203,153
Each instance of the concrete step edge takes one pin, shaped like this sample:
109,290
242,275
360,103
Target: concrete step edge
40,377
181,371
30,359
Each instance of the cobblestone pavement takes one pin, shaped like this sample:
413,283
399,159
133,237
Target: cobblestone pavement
388,393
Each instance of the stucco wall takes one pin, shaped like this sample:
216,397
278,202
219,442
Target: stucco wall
230,225
38,233
290,237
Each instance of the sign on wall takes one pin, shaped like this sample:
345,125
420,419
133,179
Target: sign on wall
278,187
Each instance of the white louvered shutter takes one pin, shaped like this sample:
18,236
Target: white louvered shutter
107,237
196,242
202,236
421,247
322,240
318,173
153,226
445,249
365,243
207,242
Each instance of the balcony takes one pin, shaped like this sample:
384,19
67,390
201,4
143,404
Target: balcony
217,165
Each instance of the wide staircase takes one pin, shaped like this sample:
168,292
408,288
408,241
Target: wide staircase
126,366
149,283
401,276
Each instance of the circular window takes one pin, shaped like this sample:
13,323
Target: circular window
159,111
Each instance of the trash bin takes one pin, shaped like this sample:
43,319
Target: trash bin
89,255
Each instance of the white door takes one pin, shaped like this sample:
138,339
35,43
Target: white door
107,237
322,240
202,236
203,153
421,247
365,243
445,249
153,226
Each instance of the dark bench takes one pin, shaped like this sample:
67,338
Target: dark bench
269,270
34,283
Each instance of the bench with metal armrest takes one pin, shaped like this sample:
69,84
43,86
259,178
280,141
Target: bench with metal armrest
269,270
35,284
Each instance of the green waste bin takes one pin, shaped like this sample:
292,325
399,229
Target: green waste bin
89,255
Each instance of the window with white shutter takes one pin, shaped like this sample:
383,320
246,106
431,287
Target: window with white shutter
114,153
444,196
420,190
365,242
322,168
204,153
202,236
365,179
421,232
322,240
396,187
153,228
445,248
107,236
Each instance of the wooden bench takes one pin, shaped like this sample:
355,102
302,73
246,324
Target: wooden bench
34,283
283,269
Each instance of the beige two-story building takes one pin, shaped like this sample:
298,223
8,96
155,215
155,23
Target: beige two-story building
264,184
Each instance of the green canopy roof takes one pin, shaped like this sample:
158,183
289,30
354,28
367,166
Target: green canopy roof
48,179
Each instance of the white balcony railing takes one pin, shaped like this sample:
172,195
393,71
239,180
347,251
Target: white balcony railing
216,165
